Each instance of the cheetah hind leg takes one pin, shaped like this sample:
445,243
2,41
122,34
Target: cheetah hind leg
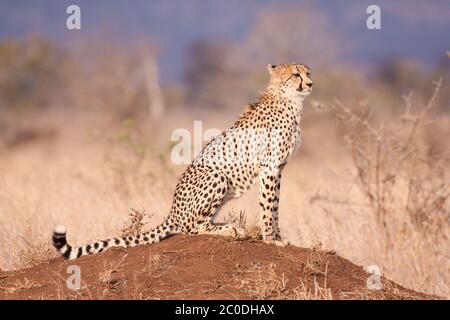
279,243
204,223
226,230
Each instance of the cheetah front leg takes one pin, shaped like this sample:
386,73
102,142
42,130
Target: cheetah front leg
269,197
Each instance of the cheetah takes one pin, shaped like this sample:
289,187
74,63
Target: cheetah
255,149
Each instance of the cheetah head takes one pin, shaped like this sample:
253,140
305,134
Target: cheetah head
291,79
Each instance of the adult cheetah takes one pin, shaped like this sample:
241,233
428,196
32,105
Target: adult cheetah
255,148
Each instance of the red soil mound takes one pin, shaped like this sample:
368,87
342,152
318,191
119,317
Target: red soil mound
202,267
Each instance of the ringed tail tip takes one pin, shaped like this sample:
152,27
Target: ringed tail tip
59,237
59,229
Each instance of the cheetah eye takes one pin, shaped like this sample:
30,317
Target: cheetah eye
297,74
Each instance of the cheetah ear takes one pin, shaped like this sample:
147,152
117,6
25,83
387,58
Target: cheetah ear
271,67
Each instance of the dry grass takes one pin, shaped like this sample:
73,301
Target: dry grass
368,294
30,254
105,276
240,220
135,223
389,157
318,292
19,285
236,218
262,282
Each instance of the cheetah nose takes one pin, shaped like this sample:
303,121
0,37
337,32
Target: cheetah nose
309,84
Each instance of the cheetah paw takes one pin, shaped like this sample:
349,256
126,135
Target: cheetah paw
239,233
275,242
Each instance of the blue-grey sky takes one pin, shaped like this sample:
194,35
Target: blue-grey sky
415,29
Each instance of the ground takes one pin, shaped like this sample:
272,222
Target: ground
202,267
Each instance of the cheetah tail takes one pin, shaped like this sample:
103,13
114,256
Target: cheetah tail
70,252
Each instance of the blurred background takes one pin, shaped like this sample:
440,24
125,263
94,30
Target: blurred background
86,118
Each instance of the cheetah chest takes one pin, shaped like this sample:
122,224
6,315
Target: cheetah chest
297,141
294,143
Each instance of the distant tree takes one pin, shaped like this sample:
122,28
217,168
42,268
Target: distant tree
229,74
120,81
29,73
401,75
206,71
292,34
